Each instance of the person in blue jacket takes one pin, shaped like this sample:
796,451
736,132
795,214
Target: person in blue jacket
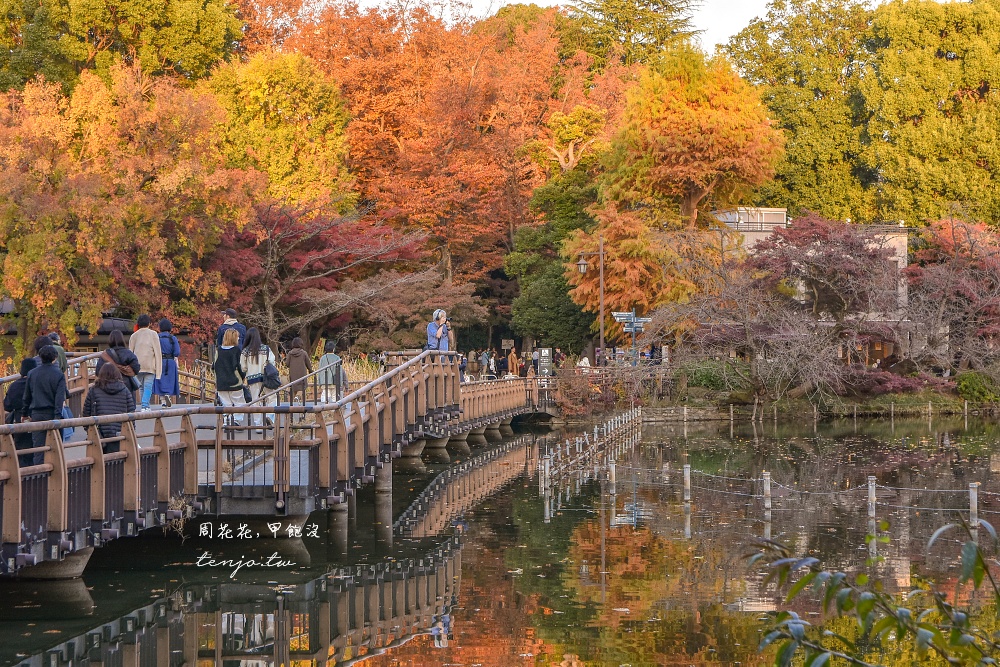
168,384
437,331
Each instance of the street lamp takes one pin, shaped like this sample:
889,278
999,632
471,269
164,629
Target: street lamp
582,266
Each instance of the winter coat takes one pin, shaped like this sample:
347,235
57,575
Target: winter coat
113,399
228,373
168,384
145,344
45,390
299,364
230,323
125,358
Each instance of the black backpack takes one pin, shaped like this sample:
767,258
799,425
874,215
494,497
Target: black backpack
272,380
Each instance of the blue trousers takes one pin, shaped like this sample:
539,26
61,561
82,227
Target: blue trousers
145,387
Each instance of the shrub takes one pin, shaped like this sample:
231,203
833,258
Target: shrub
977,387
712,374
869,382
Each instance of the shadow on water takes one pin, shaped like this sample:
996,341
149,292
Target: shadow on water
619,570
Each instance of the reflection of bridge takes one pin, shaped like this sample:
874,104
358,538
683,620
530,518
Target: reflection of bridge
460,488
341,618
203,459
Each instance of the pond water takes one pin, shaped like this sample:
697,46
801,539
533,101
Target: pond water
604,569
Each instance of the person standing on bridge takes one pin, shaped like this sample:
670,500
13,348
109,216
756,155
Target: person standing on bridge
254,359
109,396
168,384
330,370
299,366
438,332
44,396
230,322
229,379
13,404
145,345
60,350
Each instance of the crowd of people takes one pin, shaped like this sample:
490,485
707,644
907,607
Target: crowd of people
130,374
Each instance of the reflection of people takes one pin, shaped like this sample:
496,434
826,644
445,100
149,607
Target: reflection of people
438,331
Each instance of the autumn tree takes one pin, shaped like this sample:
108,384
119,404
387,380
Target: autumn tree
293,270
440,115
113,197
60,40
693,132
954,296
846,273
645,266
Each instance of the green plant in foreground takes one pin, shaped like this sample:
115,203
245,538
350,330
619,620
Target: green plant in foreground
923,618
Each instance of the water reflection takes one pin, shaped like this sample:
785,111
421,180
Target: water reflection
605,566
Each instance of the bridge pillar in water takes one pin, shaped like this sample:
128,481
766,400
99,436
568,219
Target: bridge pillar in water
493,432
507,422
477,440
383,505
435,451
459,445
479,430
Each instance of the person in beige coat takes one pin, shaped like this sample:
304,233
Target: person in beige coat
145,344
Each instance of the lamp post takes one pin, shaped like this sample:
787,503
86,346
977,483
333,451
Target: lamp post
582,266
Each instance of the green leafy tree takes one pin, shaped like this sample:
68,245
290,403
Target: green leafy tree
288,120
61,39
544,309
932,109
634,31
803,57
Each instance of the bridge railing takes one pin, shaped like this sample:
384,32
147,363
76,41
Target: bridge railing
205,458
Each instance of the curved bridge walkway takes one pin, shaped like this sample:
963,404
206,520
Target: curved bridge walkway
257,461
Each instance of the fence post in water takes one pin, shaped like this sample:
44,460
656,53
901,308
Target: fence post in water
775,406
871,496
687,482
892,410
730,413
685,413
815,412
965,409
974,505
855,412
612,478
767,490
929,408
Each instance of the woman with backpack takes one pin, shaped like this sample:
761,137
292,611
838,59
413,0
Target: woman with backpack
109,396
254,360
123,358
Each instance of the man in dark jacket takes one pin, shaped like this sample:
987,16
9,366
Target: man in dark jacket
44,396
230,322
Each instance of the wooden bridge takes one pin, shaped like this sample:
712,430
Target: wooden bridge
198,459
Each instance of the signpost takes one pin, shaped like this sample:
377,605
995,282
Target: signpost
507,343
545,361
632,325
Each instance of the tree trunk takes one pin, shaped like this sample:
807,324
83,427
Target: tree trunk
446,263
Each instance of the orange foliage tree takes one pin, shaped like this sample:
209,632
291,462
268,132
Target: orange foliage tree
692,132
645,266
440,113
